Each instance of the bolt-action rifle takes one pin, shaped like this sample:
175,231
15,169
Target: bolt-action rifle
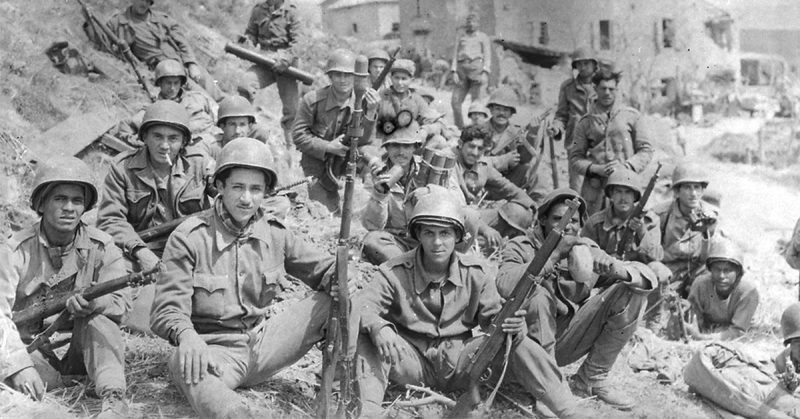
386,69
41,310
337,355
625,242
478,368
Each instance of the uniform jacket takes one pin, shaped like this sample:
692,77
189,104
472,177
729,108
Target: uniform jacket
601,229
473,55
681,244
130,201
214,282
574,100
273,28
392,103
396,297
202,110
483,177
507,141
27,274
155,39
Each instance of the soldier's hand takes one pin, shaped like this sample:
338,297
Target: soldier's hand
79,306
336,148
390,345
146,258
372,99
27,381
637,225
492,236
281,65
516,324
564,246
195,360
609,167
603,263
456,79
512,158
194,71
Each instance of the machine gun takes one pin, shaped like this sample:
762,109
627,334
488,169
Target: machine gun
41,310
478,368
625,242
98,28
337,355
264,61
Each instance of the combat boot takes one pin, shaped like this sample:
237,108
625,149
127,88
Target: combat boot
601,389
114,405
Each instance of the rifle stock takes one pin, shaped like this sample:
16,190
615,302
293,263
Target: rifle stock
627,234
491,345
259,59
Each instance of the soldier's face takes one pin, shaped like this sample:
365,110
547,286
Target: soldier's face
170,86
690,194
63,207
400,81
478,118
242,193
376,66
162,141
501,114
554,217
235,127
472,24
606,92
585,68
724,275
342,83
400,154
622,198
437,243
141,6
472,151
794,350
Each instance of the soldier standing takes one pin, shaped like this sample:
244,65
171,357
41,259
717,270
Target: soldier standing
274,27
471,66
153,37
610,136
60,253
222,272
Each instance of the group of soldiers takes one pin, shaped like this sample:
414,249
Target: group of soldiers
428,226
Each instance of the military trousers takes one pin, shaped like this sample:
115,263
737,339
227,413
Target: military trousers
251,357
442,363
257,78
475,87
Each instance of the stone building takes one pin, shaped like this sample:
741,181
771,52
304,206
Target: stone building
366,20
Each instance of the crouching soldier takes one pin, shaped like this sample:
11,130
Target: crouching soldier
150,186
563,314
418,313
722,304
59,254
222,270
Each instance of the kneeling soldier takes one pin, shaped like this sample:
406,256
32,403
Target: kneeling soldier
59,254
222,271
418,313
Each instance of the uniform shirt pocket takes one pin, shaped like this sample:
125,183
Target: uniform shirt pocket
191,201
138,201
209,295
271,286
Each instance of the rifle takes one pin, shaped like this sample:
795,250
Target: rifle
123,48
264,61
42,309
627,235
165,229
385,72
675,306
478,367
337,355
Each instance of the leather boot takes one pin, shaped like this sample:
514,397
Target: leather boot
601,389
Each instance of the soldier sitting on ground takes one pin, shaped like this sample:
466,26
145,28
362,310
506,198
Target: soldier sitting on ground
563,314
788,360
722,303
222,271
59,254
153,37
418,313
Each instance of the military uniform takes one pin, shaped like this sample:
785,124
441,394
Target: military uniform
32,269
472,62
684,249
220,282
713,313
507,141
392,103
602,137
321,119
435,323
563,315
275,29
574,100
156,38
603,230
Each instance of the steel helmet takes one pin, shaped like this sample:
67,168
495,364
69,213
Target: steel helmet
247,153
478,107
560,195
411,134
503,96
624,177
170,68
404,65
60,170
725,250
583,54
378,54
235,105
516,215
341,60
688,173
435,205
790,323
166,112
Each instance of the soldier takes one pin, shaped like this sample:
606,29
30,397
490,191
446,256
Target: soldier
148,187
481,182
575,96
787,361
478,113
722,304
323,116
222,270
564,316
418,313
61,253
378,59
153,37
610,136
471,66
274,26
